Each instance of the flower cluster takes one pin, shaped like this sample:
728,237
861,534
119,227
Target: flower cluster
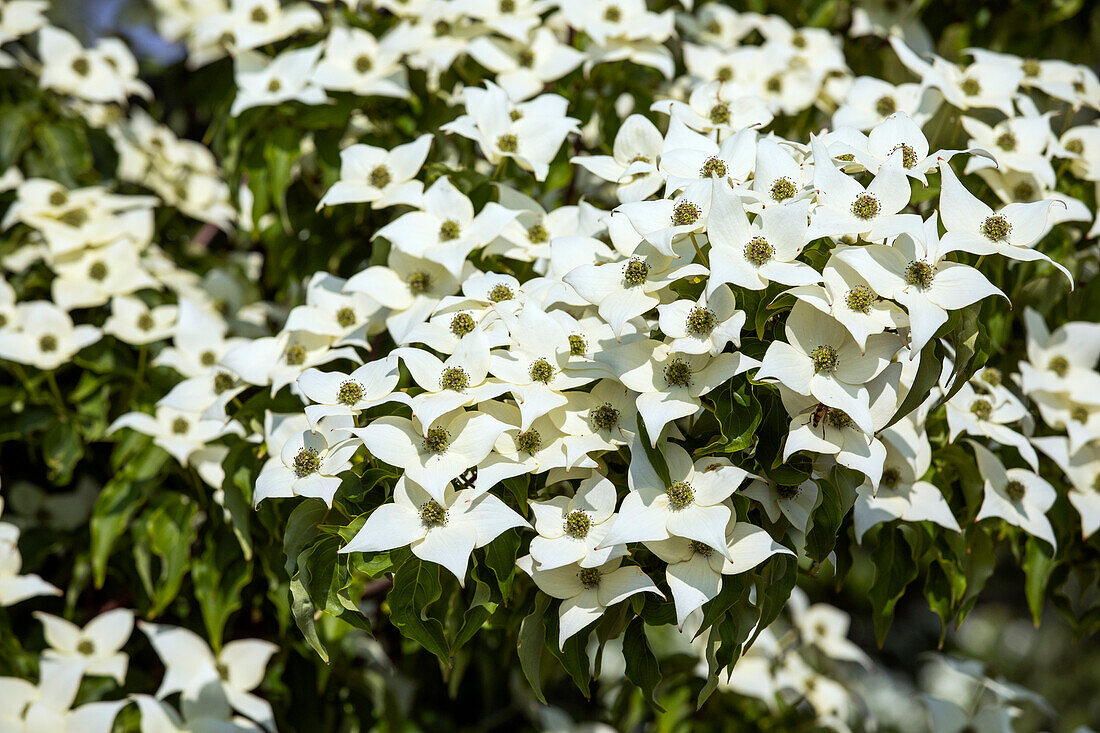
665,348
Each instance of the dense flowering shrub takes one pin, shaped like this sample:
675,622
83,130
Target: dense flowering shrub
506,345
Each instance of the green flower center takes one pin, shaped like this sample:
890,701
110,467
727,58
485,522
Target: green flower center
604,416
1075,146
462,324
274,86
363,64
541,371
98,271
719,114
208,358
1023,191
577,524
865,207
1031,68
455,379
577,345
783,189
700,548
1006,141
508,143
1096,483
441,28
419,282
526,58
825,359
1079,414
685,213
680,495
635,272
890,477
515,115
970,87
145,322
295,355
758,252
885,106
306,462
537,234
449,230
920,273
47,343
86,647
589,577
1015,490
75,218
981,408
713,167
349,393
380,177
701,321
1059,365
908,154
223,671
501,292
345,317
838,419
678,373
860,299
81,66
724,73
432,514
58,198
774,84
258,15
529,441
992,376
223,382
180,426
436,440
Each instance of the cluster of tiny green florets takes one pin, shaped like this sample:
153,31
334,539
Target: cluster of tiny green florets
838,419
890,477
920,273
782,189
996,228
788,492
685,213
1080,414
380,176
500,293
454,379
306,462
436,440
825,359
860,299
449,230
508,143
635,272
865,207
970,87
992,376
713,166
577,345
537,234
1059,365
1006,141
47,343
1015,490
541,371
345,317
589,577
180,426
886,106
604,416
719,114
700,548
432,514
577,524
758,252
680,495
419,282
295,355
529,441
145,322
462,324
981,408
908,154
98,271
350,392
678,373
701,321
223,381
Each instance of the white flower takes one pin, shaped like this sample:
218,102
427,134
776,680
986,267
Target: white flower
694,507
355,62
290,76
664,221
208,711
95,648
106,73
1082,467
793,502
529,132
256,23
137,324
901,493
974,227
379,177
716,106
446,230
199,341
336,393
46,337
913,272
633,163
571,529
523,67
1062,361
433,457
1016,495
705,326
824,627
689,156
182,433
49,705
90,277
820,358
870,101
753,255
695,570
191,666
279,360
441,529
587,592
309,463
988,414
1016,144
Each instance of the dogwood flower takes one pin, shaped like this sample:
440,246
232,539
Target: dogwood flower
90,277
279,360
192,666
913,272
95,648
753,255
633,162
446,230
571,529
1082,468
209,711
820,358
974,227
717,107
871,101
694,507
689,156
825,628
49,704
336,393
46,337
182,433
981,414
432,457
705,326
793,502
1018,496
310,462
137,324
1062,361
586,593
524,67
13,586
443,529
695,570
380,177
290,76
354,61
256,23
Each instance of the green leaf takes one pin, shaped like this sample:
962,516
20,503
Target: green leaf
654,454
1038,565
219,578
415,587
530,644
301,529
739,414
642,668
928,373
303,611
62,449
168,531
894,570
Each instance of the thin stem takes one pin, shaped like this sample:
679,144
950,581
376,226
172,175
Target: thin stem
698,251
